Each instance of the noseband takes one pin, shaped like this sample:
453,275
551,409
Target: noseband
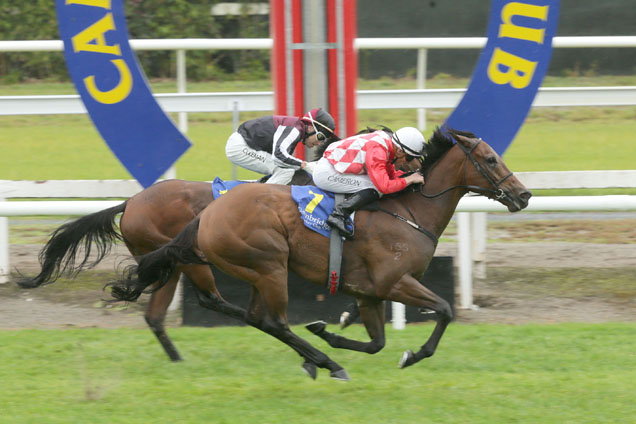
497,193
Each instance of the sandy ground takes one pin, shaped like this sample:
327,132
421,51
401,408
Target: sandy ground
47,307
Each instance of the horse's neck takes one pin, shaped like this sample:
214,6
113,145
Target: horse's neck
435,213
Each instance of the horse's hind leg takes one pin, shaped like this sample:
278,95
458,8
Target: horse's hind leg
410,292
267,312
372,313
207,293
156,314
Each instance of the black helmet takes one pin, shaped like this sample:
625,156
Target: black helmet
322,119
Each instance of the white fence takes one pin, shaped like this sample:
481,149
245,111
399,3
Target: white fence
366,99
419,98
471,229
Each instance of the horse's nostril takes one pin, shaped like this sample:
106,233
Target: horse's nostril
525,195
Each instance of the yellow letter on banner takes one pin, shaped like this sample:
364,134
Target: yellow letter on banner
84,40
508,29
519,72
97,3
117,94
314,202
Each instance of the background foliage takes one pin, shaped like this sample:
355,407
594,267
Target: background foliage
36,20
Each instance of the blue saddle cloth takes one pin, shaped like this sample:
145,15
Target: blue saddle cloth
220,187
314,204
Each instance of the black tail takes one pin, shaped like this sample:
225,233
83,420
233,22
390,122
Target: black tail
158,266
58,256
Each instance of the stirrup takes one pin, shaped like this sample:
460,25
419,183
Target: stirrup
340,224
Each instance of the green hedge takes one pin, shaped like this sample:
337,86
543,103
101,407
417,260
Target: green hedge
36,20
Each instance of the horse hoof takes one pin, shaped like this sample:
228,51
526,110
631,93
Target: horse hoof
407,359
341,375
343,320
310,369
316,326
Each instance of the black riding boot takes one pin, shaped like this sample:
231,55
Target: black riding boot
341,212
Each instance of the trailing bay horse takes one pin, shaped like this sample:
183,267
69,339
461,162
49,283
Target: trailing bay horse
149,219
255,233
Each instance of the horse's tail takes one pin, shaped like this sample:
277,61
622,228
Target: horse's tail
95,232
156,267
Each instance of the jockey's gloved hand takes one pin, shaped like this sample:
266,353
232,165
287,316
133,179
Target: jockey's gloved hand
309,167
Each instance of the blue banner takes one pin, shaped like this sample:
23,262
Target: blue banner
509,72
114,89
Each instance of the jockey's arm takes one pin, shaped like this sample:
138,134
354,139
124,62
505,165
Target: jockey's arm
284,139
382,177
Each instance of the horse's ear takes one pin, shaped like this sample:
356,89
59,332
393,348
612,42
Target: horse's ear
462,139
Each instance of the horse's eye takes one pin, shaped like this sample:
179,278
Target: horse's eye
491,160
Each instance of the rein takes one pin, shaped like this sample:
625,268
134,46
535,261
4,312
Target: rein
497,193
415,225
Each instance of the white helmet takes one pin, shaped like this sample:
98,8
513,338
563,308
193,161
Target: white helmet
410,140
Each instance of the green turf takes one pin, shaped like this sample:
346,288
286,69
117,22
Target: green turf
573,373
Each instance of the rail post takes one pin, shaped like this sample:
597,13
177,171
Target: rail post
421,84
4,248
479,223
465,261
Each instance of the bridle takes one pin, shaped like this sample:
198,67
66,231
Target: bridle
497,193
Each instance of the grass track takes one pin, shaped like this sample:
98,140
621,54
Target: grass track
574,373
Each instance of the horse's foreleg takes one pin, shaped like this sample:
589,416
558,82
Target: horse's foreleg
372,313
410,292
156,314
349,317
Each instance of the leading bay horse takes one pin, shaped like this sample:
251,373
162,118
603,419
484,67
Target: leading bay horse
150,219
254,233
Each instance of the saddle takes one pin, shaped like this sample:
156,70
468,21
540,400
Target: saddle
314,206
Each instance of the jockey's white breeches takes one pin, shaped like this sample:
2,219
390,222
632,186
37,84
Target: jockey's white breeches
327,178
240,154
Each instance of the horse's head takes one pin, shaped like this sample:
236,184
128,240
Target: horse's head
487,174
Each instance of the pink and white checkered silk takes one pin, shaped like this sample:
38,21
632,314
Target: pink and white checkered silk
348,156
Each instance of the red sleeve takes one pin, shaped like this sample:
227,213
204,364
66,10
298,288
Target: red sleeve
382,173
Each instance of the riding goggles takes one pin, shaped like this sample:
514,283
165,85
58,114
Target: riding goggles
320,136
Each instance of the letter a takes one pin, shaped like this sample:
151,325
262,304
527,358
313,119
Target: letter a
84,40
520,70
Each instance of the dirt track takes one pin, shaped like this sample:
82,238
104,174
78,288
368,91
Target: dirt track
507,295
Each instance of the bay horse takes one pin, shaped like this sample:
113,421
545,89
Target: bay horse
255,233
149,219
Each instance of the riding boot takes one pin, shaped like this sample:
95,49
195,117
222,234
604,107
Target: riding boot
338,218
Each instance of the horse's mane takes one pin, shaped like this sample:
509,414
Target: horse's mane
440,142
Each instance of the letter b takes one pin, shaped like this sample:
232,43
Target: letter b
519,73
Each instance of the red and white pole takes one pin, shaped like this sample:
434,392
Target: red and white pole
292,78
